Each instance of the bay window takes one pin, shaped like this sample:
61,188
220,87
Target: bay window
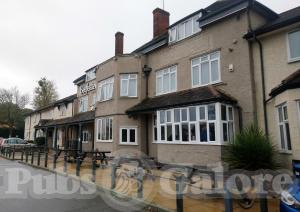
128,135
195,124
105,89
206,69
104,129
294,45
128,85
166,80
284,129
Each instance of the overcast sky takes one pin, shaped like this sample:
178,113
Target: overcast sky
60,39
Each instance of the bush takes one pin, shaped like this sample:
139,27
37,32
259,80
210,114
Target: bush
40,141
252,151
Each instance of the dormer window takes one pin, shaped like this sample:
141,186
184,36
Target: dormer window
90,75
184,29
62,110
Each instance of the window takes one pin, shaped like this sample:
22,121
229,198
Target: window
83,104
184,29
294,45
195,124
94,99
85,136
128,85
128,135
206,69
284,129
166,80
155,127
62,110
105,89
90,75
104,129
227,125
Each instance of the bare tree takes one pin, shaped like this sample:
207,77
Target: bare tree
45,93
12,103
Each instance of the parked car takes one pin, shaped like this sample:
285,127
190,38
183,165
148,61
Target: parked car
290,198
17,142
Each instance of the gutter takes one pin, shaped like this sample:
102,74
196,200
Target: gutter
262,66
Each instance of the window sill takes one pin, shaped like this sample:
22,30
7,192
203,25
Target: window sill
285,152
191,143
294,60
213,83
105,100
161,94
128,97
128,144
102,141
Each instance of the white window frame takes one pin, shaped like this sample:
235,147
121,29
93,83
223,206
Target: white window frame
283,123
62,110
290,60
217,125
128,128
100,122
88,136
90,75
210,70
160,76
175,29
84,104
154,122
228,121
107,86
130,77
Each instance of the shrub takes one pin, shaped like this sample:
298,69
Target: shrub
251,150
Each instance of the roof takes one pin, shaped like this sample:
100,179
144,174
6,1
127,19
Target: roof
199,95
79,79
60,101
291,82
214,12
76,119
284,19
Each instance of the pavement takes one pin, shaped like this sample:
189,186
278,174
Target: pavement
27,201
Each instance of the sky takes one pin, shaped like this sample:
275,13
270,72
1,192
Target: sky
60,39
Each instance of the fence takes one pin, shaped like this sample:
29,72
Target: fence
75,162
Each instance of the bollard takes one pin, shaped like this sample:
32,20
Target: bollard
22,154
54,159
179,193
113,175
263,203
228,201
9,152
94,165
78,166
39,157
32,156
65,162
140,176
26,155
14,152
46,158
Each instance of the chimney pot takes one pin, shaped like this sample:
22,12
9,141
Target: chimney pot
119,43
161,21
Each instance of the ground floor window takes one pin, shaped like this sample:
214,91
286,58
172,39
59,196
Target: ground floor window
104,129
85,136
284,129
212,123
128,135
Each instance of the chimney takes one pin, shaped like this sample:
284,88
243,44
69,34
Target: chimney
160,21
119,45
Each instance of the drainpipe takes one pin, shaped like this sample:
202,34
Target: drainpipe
147,70
262,66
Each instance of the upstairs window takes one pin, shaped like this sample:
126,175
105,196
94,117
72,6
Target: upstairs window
90,75
62,110
105,89
83,104
128,85
184,29
206,69
294,45
166,80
